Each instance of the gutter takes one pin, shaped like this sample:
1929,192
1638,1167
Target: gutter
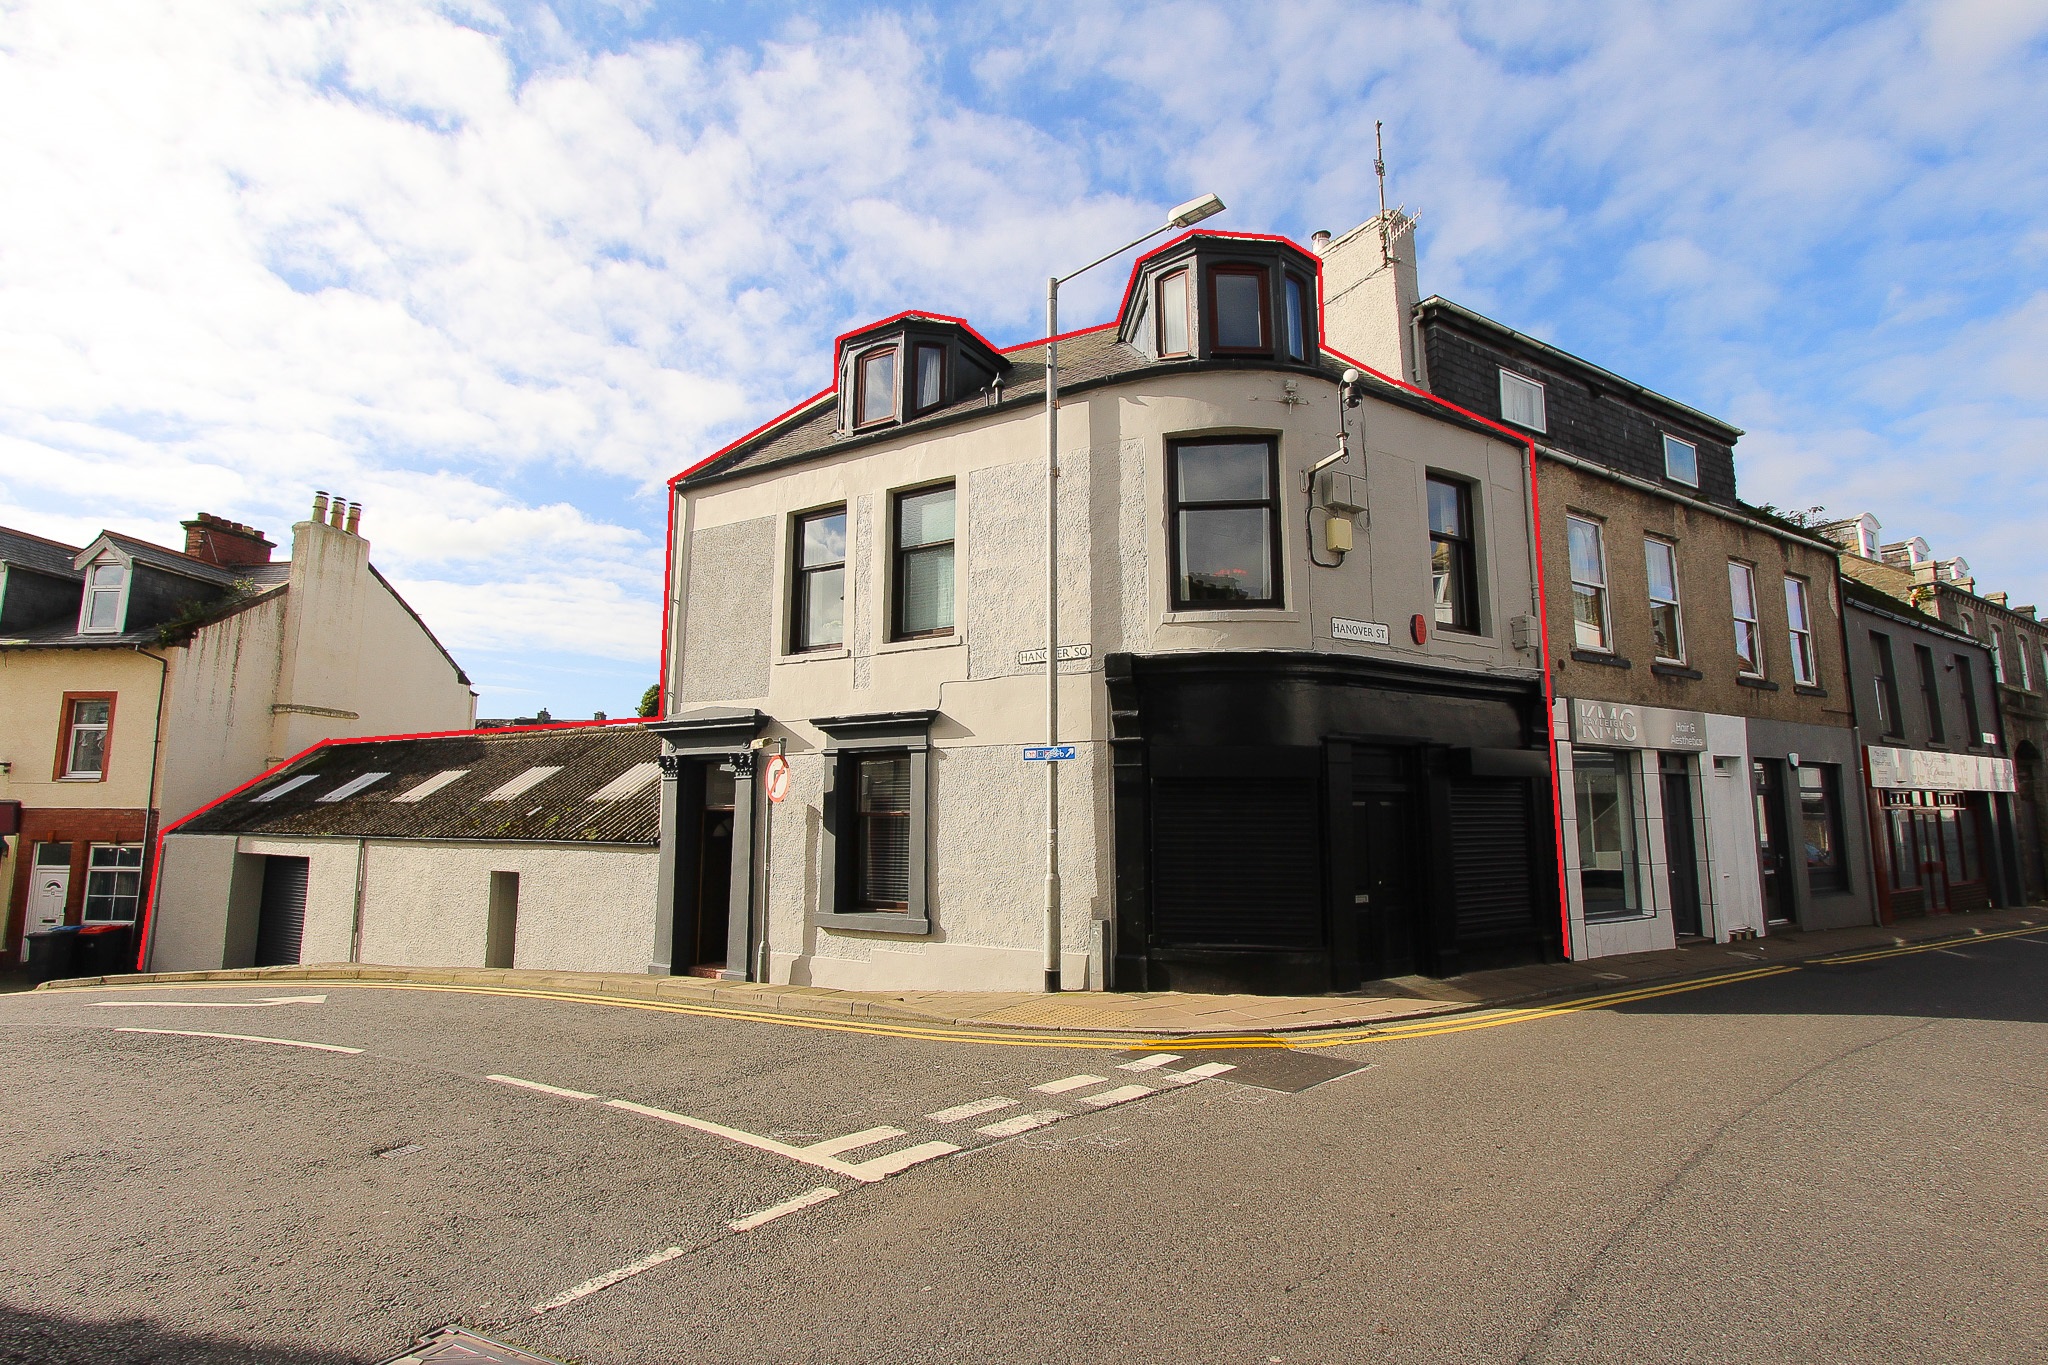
1699,504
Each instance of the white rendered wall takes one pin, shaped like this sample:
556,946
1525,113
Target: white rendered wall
217,709
330,891
195,883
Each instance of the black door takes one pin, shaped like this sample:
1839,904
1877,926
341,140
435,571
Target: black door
281,923
714,887
1773,840
1680,853
1383,882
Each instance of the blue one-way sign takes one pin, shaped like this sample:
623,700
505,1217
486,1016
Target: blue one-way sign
1048,753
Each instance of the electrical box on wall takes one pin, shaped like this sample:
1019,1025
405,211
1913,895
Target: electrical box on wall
1339,493
1522,632
1337,535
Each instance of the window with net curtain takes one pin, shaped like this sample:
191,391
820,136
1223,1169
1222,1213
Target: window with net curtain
923,584
85,748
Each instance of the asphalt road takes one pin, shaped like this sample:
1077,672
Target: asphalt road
1844,1163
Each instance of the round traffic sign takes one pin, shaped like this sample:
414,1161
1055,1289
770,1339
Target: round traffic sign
777,777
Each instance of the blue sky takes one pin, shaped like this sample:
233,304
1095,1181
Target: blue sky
498,270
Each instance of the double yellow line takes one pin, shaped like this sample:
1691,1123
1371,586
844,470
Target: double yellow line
1904,949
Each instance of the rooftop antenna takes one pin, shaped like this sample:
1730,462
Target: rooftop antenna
1379,166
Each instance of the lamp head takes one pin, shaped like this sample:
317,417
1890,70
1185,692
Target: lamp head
1194,211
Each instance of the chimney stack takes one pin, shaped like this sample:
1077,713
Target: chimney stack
1319,241
225,543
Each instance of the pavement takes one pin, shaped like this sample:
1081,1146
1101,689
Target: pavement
1159,1014
1834,1161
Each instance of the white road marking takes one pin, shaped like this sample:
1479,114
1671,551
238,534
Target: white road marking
211,1004
1117,1096
1023,1123
1152,1063
879,1168
834,1146
245,1038
1202,1072
769,1215
888,1164
606,1280
1070,1083
968,1111
543,1089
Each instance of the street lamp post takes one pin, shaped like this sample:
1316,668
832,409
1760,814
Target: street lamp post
1194,211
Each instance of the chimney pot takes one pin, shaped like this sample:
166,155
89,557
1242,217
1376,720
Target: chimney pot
355,516
336,510
320,505
1319,242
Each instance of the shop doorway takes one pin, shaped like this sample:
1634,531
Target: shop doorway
1681,853
1773,839
1383,882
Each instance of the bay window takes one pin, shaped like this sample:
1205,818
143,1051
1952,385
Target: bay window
1224,520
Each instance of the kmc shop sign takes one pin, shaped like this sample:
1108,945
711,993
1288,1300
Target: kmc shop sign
1617,725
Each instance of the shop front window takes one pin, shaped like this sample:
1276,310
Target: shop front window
1607,830
1820,820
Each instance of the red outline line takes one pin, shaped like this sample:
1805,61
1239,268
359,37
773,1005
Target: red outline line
156,860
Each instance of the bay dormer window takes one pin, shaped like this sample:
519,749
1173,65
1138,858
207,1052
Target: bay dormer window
106,599
1213,296
909,367
1174,331
1295,322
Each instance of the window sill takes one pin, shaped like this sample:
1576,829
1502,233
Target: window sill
811,656
1587,656
1194,616
1760,684
83,777
1670,670
957,638
874,922
1804,690
1623,917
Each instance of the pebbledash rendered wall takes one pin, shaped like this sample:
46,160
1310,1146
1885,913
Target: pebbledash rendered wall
424,903
986,832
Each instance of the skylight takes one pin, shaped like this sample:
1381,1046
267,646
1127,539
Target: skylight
526,781
430,786
289,784
631,782
354,785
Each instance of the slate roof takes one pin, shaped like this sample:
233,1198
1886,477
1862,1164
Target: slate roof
37,555
176,561
64,633
1858,593
1087,359
557,809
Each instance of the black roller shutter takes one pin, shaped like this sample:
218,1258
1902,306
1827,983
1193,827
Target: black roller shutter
1237,862
1491,862
282,924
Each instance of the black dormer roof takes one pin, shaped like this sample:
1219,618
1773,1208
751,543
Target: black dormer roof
901,347
1210,267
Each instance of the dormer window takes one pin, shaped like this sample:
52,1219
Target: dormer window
105,586
1173,314
1237,296
931,377
875,399
1296,334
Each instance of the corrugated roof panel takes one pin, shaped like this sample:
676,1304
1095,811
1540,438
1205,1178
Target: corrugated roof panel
290,784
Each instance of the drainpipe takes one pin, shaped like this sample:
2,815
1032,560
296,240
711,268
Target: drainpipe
149,814
355,931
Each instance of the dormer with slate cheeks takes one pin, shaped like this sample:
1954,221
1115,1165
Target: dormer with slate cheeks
1212,296
911,366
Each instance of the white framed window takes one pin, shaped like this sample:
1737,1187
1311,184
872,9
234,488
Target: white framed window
1800,629
1589,584
1998,654
1681,461
82,754
106,593
1749,638
1665,626
113,882
1521,401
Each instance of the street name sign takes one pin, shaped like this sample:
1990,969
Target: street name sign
1068,653
1359,632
